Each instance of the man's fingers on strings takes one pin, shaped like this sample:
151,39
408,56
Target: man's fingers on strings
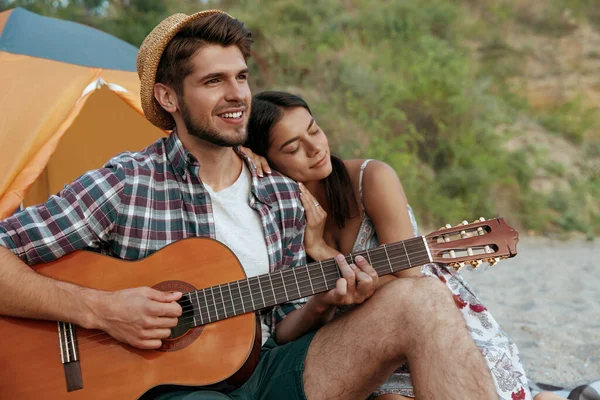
340,291
366,268
163,322
165,309
347,272
163,297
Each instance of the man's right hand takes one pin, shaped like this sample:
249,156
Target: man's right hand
141,317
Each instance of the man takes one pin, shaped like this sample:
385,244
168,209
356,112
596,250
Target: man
194,80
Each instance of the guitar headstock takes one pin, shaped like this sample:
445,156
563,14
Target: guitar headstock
471,244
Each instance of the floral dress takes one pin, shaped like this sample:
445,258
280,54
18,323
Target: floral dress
500,353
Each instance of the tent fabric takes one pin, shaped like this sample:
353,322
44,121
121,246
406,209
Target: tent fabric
53,39
60,119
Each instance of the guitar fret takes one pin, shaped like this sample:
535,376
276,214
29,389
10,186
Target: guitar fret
323,273
406,254
301,271
199,311
297,285
388,258
231,297
214,302
250,291
189,296
241,297
369,257
265,284
313,271
272,289
261,291
287,298
223,301
309,280
207,302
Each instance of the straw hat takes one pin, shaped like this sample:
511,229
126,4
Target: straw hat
148,58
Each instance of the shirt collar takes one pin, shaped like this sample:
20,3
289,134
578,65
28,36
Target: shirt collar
259,190
180,158
177,155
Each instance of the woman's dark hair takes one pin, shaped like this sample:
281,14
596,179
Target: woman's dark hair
266,111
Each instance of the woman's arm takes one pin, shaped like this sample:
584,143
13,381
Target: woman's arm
386,205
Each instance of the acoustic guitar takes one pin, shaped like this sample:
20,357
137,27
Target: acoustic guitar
216,340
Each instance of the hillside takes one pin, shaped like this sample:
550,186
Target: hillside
483,108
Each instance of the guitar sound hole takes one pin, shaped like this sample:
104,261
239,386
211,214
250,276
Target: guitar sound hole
185,321
186,331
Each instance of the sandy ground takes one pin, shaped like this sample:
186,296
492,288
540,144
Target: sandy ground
547,299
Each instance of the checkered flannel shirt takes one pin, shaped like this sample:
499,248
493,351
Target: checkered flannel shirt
140,202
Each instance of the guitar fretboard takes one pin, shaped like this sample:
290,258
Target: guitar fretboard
247,295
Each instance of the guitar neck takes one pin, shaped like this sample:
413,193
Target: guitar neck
247,295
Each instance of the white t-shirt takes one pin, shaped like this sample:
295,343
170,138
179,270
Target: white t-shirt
239,227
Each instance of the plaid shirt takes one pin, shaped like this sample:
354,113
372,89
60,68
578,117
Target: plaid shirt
140,202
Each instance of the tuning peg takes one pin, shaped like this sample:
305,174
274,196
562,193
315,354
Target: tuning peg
448,226
457,265
465,222
493,261
475,263
470,251
481,219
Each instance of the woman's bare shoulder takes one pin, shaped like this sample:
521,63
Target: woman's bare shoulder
374,167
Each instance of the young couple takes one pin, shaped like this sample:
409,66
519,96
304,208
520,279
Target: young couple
198,182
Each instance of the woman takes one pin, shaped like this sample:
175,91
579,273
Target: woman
353,205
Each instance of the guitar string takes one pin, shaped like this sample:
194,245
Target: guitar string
211,318
380,255
233,299
189,319
312,268
316,265
301,282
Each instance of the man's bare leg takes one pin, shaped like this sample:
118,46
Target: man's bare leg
407,319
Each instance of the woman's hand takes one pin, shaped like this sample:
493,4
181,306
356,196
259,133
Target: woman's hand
315,224
260,162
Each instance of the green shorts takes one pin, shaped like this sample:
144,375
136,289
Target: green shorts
278,375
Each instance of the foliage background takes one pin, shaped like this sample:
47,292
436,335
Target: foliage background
440,90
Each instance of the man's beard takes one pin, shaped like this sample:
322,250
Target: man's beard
205,132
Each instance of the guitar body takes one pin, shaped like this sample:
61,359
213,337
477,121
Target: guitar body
30,360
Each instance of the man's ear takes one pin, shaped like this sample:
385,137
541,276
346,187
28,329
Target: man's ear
166,97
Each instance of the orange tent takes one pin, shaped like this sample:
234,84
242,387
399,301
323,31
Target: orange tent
69,101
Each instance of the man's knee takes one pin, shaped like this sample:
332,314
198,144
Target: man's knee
421,297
